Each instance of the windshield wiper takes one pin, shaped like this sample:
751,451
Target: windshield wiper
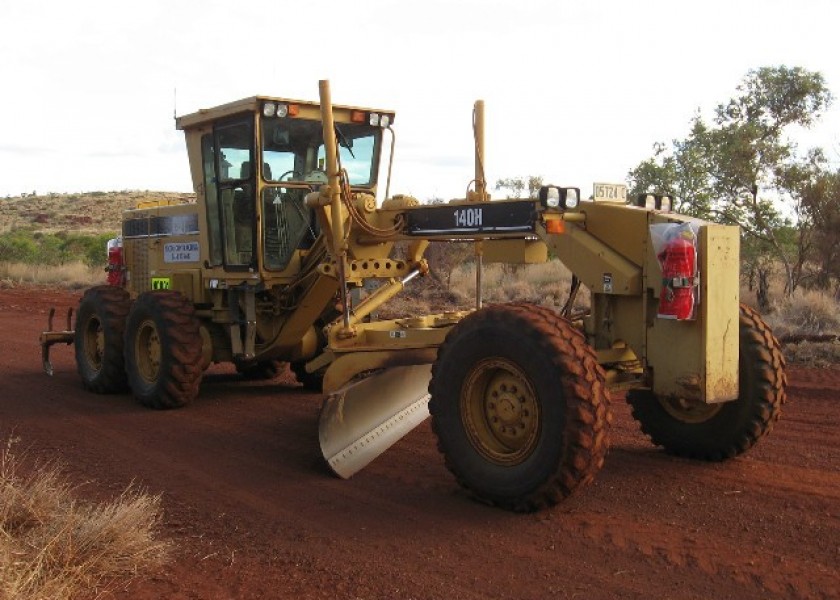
343,141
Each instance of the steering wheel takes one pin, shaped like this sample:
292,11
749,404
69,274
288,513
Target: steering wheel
292,172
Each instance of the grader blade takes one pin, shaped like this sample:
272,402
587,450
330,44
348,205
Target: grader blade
363,419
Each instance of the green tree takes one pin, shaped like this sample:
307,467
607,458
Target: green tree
739,167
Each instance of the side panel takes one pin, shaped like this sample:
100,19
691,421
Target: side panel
159,242
698,359
719,292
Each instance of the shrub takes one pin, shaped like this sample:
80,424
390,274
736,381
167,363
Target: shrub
54,248
55,546
806,313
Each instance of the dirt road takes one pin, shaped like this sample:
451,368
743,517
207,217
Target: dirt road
255,514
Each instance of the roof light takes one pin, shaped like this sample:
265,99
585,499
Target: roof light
269,109
665,203
282,110
374,119
357,116
294,109
385,120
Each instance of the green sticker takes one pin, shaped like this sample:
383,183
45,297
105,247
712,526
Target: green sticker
160,283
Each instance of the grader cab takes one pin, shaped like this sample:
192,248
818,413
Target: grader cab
262,268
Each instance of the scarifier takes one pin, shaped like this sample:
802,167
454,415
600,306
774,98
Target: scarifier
269,264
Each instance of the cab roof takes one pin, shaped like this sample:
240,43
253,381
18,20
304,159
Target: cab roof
306,109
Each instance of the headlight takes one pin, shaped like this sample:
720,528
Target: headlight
552,196
572,197
269,109
647,201
663,202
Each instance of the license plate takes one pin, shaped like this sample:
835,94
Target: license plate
611,192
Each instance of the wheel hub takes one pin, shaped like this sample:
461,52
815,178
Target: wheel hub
500,411
94,343
148,351
689,411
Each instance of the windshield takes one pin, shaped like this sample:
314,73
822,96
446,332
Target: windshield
293,150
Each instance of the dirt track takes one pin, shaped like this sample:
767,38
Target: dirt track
254,513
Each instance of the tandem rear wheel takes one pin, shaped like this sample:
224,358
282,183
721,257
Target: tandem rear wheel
98,341
163,357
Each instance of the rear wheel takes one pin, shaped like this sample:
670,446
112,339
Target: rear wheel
519,406
100,325
717,432
163,350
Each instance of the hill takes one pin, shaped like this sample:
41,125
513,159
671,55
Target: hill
84,213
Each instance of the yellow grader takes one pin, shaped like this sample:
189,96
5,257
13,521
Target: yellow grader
264,267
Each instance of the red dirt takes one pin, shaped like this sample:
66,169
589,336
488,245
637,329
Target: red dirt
254,513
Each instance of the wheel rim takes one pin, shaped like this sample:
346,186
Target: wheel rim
500,412
147,351
94,343
689,411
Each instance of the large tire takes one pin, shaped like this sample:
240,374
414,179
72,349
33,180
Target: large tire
717,432
519,406
163,350
100,325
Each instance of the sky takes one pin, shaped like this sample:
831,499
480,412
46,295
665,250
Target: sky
576,92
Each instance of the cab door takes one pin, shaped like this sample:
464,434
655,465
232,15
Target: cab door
236,183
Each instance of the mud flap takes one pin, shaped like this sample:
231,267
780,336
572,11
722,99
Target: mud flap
363,419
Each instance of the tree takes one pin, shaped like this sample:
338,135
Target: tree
516,186
738,168
815,191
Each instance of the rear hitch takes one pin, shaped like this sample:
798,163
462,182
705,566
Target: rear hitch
50,337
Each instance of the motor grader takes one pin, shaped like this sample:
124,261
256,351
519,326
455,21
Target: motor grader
267,264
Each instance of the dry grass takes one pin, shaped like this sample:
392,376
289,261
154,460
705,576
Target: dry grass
813,354
806,312
54,546
75,275
544,283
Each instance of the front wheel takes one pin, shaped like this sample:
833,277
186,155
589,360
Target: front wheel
163,356
716,432
520,407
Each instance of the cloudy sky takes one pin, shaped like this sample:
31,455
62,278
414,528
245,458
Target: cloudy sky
575,91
